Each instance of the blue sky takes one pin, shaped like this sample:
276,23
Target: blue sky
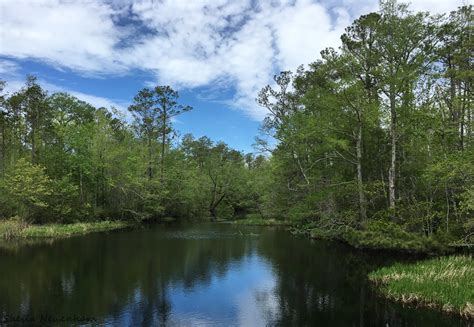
217,53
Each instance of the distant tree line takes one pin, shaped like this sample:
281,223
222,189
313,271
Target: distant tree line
62,160
381,130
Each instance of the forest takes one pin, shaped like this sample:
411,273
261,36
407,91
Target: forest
375,137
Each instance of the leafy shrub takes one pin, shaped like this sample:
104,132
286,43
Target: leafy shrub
28,188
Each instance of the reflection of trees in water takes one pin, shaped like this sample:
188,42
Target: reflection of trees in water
324,283
305,287
127,278
97,275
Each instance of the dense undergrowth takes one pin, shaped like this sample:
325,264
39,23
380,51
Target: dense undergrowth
379,235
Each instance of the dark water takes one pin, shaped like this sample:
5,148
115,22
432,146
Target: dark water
208,275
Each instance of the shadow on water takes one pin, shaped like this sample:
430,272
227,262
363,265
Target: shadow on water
200,274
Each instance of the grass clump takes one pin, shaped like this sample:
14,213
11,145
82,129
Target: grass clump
17,229
12,228
446,283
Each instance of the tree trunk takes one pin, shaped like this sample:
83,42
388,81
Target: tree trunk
360,182
149,172
212,211
462,120
393,134
80,186
163,147
213,206
33,144
2,151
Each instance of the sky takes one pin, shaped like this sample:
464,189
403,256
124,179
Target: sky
216,53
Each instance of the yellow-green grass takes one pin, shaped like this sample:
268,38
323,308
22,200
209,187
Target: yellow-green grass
446,283
16,229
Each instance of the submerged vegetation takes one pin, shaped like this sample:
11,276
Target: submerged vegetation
374,145
446,283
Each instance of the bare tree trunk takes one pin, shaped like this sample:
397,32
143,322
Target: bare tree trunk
80,186
163,147
150,173
33,144
447,207
462,120
360,182
2,152
393,160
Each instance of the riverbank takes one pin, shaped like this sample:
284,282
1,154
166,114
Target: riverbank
16,229
384,236
258,221
446,283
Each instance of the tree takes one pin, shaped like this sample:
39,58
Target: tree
404,41
358,70
28,187
3,128
455,57
36,115
147,117
153,110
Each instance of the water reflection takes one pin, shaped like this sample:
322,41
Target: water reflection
200,275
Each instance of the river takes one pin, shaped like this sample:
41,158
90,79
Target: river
198,275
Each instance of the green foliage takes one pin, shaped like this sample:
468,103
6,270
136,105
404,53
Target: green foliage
390,236
64,196
378,131
28,188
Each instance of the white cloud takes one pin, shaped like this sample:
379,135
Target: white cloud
79,35
101,102
8,67
437,6
184,43
359,7
94,100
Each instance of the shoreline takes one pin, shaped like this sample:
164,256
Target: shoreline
426,271
444,283
410,283
15,230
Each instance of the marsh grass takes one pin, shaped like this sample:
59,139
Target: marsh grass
446,283
17,229
12,228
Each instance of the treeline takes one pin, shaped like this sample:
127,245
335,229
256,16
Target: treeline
62,160
380,131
